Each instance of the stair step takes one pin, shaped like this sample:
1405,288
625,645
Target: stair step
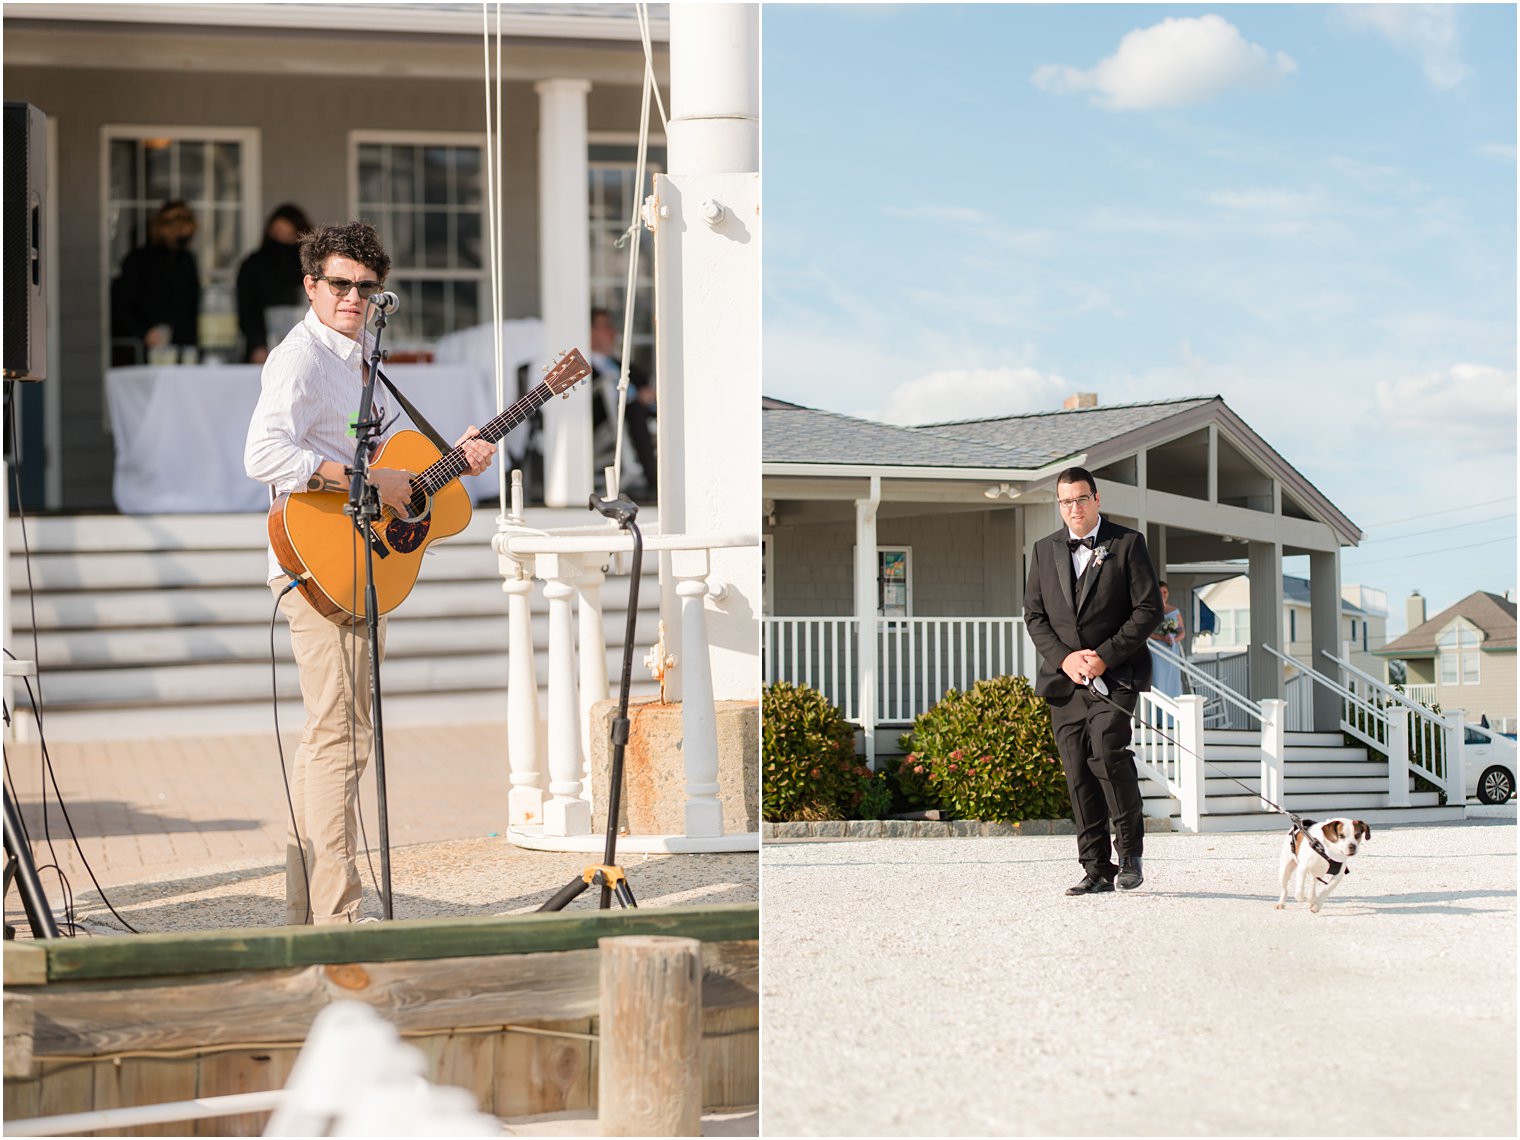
1318,804
1380,816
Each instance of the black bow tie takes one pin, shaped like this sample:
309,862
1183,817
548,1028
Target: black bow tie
1090,541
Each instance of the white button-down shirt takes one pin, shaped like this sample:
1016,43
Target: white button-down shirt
311,386
1082,555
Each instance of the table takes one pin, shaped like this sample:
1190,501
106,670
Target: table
180,430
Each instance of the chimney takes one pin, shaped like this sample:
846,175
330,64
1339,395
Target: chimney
1081,400
1414,610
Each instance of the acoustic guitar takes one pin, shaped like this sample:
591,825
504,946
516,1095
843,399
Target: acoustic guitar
315,540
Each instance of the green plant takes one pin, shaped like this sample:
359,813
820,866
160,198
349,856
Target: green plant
989,753
874,799
807,757
912,789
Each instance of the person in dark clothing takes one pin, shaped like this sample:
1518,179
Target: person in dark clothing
639,413
271,275
159,285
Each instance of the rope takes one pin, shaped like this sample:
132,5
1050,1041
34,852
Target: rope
493,223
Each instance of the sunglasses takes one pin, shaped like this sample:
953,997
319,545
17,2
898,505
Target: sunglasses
341,285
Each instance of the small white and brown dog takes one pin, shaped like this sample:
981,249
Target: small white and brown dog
1317,855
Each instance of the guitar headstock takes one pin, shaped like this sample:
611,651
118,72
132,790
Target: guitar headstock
565,373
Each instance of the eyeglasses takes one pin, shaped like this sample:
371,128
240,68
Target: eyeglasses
341,285
1079,501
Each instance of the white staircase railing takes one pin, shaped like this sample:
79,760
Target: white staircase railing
1168,745
1424,739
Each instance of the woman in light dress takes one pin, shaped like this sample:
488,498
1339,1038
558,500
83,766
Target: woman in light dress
1166,677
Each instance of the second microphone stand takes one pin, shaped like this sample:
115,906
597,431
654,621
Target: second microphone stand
607,874
365,509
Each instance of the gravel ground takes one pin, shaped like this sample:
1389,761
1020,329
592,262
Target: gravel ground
458,878
948,987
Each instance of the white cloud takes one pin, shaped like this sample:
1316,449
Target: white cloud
962,215
1468,406
1498,150
1176,63
1428,32
973,393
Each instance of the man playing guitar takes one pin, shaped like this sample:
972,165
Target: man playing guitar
300,440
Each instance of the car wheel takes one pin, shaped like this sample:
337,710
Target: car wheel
1496,785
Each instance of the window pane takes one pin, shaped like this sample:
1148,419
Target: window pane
1448,668
157,187
466,305
1243,627
123,169
224,240
435,175
471,249
192,171
469,176
371,174
1447,639
433,309
403,175
226,171
1470,668
435,240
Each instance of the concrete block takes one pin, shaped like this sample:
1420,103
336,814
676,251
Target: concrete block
864,829
1063,827
965,828
1000,830
829,829
654,772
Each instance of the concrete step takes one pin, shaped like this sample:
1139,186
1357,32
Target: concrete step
1377,816
1317,804
1228,736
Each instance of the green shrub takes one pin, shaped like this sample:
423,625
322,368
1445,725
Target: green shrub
807,757
912,789
990,753
875,797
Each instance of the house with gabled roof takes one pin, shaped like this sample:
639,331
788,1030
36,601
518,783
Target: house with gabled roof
895,557
1463,658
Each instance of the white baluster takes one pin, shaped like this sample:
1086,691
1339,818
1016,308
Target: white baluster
593,656
525,799
566,813
699,723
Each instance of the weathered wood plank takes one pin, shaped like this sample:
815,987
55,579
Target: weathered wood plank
464,1061
650,1078
21,1098
25,964
103,1017
544,1074
730,1058
243,1071
149,955
66,1088
146,1080
19,1019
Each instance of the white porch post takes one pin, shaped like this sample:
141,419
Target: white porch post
699,724
706,222
1398,756
564,267
1325,633
1274,722
566,813
1265,570
1194,779
1456,759
865,613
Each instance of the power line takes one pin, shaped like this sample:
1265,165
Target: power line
1439,550
1439,529
1447,511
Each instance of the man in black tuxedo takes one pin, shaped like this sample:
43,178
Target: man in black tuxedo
1090,604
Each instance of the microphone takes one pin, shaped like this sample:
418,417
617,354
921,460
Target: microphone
386,302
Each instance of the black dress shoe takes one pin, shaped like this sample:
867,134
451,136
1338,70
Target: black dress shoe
1092,884
1130,876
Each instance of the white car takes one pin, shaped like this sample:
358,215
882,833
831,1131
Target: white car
1490,767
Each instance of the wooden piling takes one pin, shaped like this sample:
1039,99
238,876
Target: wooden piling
650,1081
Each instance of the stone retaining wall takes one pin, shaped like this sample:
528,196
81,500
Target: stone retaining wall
927,828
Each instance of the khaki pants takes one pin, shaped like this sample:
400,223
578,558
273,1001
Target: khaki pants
333,661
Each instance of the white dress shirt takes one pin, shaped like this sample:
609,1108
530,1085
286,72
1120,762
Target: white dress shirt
311,386
1082,554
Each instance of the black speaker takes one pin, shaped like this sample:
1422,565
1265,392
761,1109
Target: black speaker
25,295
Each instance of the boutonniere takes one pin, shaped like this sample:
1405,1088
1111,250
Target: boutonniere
1099,554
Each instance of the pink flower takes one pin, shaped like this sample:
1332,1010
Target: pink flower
918,769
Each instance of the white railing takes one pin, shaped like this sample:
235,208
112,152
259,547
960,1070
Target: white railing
820,653
550,800
917,659
1425,694
1415,736
1232,673
1168,747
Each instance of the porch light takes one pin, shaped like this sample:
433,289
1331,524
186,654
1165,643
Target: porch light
1001,490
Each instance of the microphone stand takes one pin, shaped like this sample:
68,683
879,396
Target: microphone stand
364,508
608,875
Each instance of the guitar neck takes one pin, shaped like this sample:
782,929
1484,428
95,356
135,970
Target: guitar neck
452,464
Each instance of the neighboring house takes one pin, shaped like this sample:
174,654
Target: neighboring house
947,515
376,112
1463,658
1364,622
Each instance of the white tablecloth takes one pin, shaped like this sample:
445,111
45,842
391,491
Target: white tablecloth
180,430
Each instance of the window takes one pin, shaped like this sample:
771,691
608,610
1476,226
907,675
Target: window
426,196
1293,625
1234,627
215,170
894,581
1457,649
609,205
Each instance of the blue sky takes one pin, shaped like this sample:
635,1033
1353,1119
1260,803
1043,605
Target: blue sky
1308,210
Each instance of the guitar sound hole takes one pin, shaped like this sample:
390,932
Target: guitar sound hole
406,537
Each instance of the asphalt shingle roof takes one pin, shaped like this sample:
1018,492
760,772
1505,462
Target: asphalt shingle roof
1493,614
792,434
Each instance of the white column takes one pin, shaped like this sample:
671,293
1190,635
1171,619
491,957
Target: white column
1274,723
714,88
1265,570
525,800
865,614
699,722
564,261
593,656
1456,759
1398,756
566,813
1193,776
